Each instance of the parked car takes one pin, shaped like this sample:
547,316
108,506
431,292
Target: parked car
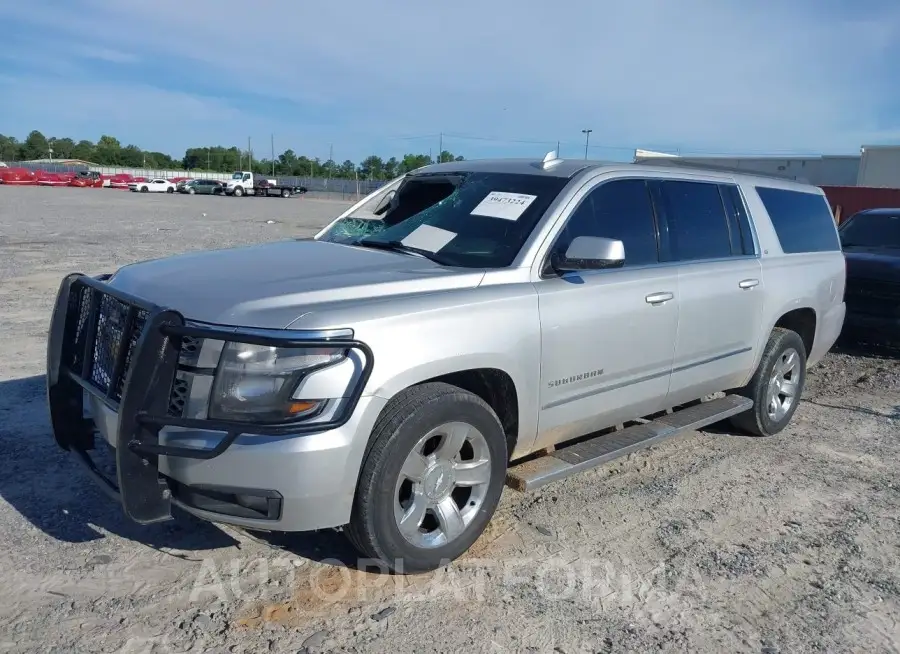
513,322
17,176
121,181
155,185
87,179
203,186
871,243
45,178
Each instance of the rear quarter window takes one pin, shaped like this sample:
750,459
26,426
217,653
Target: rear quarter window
802,221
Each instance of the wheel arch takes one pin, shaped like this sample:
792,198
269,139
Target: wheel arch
491,380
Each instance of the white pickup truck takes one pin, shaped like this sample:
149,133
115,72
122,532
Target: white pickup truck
245,182
472,325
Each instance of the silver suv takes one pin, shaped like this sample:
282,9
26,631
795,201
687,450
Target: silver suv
469,325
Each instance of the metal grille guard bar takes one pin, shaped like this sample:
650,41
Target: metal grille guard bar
143,408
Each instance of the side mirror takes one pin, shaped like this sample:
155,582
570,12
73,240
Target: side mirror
590,253
385,203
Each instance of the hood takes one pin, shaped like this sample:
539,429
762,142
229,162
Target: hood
873,263
274,284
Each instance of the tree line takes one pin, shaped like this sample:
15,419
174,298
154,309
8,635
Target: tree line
108,151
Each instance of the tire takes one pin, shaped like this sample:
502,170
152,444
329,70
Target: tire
170,190
238,191
783,344
285,193
192,191
144,189
420,418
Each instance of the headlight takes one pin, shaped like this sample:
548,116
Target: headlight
254,383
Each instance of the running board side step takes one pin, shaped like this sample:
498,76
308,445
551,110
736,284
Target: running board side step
584,455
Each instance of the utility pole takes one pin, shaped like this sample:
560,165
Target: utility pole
250,155
587,139
273,155
208,166
557,150
441,147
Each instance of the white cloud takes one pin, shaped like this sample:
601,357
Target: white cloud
695,74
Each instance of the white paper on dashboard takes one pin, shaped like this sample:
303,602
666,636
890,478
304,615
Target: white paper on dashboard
428,238
499,204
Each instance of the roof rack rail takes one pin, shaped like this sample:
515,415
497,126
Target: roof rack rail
677,162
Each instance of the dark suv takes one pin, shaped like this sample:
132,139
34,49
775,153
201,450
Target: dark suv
871,243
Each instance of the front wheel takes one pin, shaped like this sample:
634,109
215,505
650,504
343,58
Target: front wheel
192,191
170,190
431,479
238,191
144,189
776,386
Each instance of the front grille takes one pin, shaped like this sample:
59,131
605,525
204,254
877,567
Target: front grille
116,328
873,297
178,398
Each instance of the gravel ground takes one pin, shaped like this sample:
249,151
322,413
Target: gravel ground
710,542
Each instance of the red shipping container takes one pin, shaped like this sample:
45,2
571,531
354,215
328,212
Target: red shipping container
847,200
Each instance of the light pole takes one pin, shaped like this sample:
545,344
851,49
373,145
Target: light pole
587,139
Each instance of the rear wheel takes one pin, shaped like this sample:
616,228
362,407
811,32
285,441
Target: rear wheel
776,386
285,193
170,190
431,479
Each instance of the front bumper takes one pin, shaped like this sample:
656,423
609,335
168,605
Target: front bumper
125,356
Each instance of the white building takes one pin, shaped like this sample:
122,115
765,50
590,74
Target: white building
880,166
821,170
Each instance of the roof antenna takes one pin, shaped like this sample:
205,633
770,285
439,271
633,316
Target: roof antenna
550,159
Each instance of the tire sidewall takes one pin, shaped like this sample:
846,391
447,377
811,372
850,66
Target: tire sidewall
787,340
444,409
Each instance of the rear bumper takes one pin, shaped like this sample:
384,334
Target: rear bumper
123,355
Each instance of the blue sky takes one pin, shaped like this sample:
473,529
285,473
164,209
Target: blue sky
497,77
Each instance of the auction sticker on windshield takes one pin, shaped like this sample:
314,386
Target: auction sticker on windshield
499,204
428,238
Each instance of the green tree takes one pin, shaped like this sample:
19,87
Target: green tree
9,148
62,148
35,146
84,150
390,167
372,167
413,161
108,151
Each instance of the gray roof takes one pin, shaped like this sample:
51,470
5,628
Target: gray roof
568,168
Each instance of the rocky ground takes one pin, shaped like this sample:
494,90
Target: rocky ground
711,542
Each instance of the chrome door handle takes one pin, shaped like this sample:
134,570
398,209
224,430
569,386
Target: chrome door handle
748,283
659,298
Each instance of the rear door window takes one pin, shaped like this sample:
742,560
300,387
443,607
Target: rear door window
698,226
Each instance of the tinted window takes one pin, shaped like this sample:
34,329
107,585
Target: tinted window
871,230
741,236
619,210
802,221
698,226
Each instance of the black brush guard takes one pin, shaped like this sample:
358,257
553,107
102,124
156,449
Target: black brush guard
128,359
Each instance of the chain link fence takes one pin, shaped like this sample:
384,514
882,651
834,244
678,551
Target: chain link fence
317,187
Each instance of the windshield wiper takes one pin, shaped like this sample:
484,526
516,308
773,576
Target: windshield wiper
399,246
